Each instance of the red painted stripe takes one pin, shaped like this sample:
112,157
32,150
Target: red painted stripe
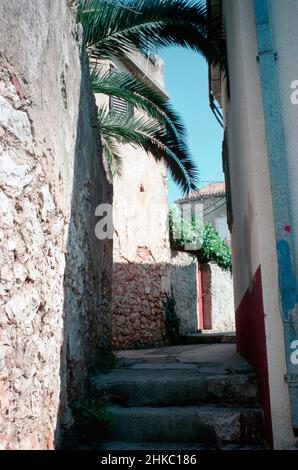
251,342
200,299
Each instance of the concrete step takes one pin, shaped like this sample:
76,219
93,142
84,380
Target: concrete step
207,337
174,387
120,445
158,446
191,424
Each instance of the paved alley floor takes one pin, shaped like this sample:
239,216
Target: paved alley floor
206,359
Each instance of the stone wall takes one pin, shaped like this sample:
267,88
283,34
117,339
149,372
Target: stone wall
184,279
55,274
218,298
137,302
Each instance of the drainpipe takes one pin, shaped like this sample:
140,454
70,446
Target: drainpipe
277,160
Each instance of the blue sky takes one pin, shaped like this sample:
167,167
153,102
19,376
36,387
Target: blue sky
187,84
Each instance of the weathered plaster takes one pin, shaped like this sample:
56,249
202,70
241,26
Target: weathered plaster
218,298
184,279
54,274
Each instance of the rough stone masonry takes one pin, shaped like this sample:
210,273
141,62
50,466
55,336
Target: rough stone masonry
55,276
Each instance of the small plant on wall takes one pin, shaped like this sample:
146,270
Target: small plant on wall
92,419
172,321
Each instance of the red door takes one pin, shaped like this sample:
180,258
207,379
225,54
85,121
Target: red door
200,299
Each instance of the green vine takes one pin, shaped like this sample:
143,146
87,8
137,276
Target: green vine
172,321
184,231
215,249
202,238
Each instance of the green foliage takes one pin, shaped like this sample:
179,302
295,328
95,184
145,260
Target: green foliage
149,135
141,95
157,129
184,231
112,29
92,420
189,232
214,249
90,411
172,322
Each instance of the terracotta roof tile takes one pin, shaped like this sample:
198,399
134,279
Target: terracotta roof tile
211,189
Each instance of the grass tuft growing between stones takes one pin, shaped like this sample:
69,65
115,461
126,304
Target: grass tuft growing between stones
92,420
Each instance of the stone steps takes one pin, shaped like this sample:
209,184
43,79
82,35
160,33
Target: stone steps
195,397
174,387
188,424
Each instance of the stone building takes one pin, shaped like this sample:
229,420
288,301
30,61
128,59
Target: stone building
144,268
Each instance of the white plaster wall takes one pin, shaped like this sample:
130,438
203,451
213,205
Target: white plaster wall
218,298
253,232
151,68
184,280
141,207
217,215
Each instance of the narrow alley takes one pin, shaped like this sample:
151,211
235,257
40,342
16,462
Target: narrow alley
149,229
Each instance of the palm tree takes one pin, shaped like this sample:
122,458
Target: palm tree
113,28
117,28
157,129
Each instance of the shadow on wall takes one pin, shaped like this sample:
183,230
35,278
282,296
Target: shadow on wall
87,277
138,292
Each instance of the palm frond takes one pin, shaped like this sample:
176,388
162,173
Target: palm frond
147,134
112,154
140,95
114,29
